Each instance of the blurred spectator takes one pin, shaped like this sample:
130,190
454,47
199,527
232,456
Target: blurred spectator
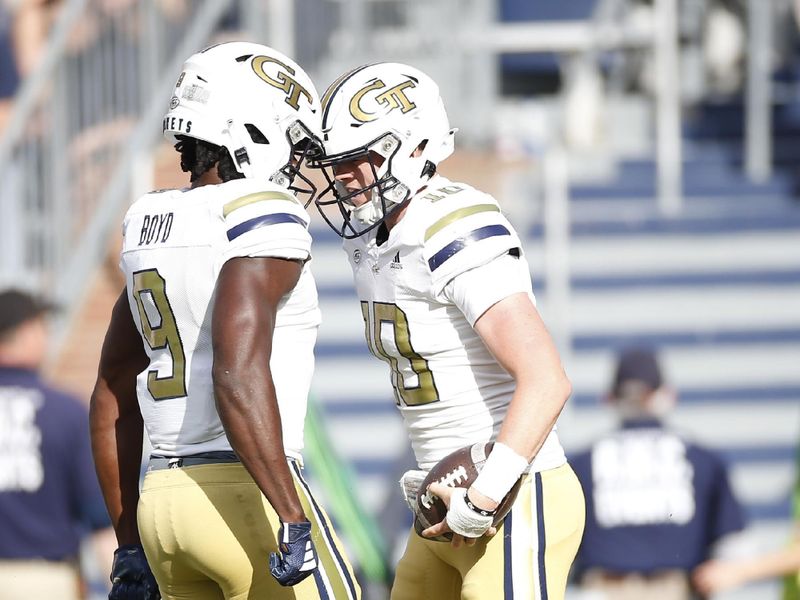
32,22
656,504
49,494
24,25
724,46
717,576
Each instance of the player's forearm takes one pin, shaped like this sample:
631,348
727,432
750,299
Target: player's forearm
248,294
534,409
253,425
117,450
529,420
515,334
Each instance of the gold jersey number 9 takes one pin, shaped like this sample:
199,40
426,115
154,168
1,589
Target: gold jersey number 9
160,332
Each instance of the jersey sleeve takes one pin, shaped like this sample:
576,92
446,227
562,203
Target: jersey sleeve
266,223
465,235
477,290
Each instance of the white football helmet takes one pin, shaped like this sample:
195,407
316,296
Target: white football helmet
391,110
254,101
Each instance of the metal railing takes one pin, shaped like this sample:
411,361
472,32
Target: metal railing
79,127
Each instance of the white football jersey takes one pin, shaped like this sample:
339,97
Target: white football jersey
449,388
175,243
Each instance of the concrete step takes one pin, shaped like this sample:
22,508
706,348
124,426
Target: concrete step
728,259
688,317
638,218
711,175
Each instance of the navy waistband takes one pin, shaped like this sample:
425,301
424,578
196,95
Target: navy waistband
204,458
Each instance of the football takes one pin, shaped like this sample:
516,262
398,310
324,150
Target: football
457,469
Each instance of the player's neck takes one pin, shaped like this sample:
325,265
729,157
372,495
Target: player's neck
210,177
394,218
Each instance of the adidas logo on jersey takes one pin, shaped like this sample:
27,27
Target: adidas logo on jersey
396,262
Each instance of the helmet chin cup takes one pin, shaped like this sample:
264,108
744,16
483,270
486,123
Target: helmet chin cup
367,214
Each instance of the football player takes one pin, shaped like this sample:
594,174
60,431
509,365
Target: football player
446,298
210,346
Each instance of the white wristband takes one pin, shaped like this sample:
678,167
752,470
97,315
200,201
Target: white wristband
463,520
500,473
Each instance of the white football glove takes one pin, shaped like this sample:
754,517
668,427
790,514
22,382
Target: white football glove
409,484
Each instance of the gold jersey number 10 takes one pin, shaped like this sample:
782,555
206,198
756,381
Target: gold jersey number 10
425,391
160,335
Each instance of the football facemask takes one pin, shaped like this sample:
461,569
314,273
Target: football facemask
303,150
384,192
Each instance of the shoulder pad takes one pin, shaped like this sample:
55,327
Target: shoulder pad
464,234
258,205
246,195
263,220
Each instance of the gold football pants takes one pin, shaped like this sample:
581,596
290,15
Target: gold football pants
528,559
208,531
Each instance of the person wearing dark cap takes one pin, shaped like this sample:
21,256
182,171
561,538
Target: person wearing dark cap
657,504
49,495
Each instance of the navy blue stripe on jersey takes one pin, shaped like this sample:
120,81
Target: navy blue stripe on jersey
436,261
262,221
508,559
540,535
326,530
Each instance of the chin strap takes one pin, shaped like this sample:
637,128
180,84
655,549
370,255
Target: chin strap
240,156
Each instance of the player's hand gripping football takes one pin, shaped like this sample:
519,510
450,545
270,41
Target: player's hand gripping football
297,558
131,577
467,523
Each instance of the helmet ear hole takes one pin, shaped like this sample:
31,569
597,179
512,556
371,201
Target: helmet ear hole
255,134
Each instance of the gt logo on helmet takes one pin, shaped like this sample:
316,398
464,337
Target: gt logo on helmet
283,81
394,97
